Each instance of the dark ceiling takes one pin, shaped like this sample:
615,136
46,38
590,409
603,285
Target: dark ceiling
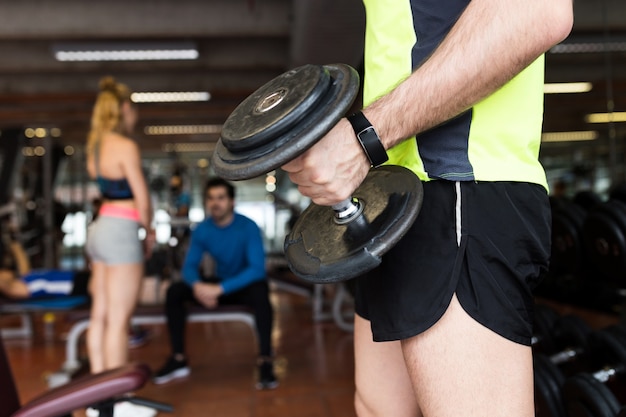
242,44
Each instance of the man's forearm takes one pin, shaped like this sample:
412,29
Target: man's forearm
492,41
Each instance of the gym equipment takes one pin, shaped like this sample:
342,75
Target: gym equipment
584,394
588,259
618,192
570,334
567,241
605,240
569,265
10,147
103,389
543,322
571,337
587,394
279,122
143,316
548,382
587,199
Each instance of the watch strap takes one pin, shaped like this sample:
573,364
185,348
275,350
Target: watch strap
369,139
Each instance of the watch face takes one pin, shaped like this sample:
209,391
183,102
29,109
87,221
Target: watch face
369,139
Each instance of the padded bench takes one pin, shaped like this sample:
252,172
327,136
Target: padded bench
24,309
143,315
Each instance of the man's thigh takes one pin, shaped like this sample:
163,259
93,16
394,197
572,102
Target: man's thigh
459,367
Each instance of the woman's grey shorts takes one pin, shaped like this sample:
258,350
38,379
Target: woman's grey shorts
114,240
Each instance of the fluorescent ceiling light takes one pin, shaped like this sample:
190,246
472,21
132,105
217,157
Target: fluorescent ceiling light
124,51
188,147
170,97
565,88
619,116
182,129
569,136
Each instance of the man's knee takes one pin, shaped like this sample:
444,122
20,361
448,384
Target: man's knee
176,293
258,298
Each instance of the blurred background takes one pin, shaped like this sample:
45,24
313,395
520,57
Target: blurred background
192,61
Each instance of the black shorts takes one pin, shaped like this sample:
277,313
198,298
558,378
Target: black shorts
490,247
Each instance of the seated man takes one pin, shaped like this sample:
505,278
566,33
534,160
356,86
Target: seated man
235,244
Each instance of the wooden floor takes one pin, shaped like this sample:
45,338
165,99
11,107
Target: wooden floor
314,365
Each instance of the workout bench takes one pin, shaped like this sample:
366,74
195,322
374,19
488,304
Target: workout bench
24,309
144,315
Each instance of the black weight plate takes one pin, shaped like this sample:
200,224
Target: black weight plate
618,192
319,250
544,319
274,108
548,383
577,214
584,396
557,202
567,241
571,332
548,402
587,199
608,348
605,240
316,120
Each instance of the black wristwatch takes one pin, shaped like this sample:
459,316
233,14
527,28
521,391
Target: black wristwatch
369,139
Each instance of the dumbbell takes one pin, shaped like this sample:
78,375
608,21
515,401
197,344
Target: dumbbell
543,322
570,336
586,394
594,394
567,257
604,233
280,121
568,260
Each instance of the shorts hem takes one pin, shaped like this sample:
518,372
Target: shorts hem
522,340
407,334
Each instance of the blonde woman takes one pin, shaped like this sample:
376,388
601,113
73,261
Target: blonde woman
113,245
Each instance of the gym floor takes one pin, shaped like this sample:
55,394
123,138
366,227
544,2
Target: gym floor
314,364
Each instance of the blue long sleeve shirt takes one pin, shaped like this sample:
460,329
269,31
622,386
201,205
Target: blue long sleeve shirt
236,248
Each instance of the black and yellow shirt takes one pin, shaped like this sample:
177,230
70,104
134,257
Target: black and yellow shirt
496,140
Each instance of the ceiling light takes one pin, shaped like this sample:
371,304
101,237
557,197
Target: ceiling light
170,97
124,51
188,147
569,136
619,116
565,88
182,129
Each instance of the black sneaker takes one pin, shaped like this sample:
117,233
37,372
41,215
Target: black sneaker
171,370
267,379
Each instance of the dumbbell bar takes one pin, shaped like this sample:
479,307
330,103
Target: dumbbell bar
568,336
584,394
